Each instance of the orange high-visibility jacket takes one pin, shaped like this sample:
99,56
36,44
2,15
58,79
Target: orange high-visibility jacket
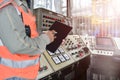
19,65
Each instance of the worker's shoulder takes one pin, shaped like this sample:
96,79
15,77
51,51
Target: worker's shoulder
5,3
7,6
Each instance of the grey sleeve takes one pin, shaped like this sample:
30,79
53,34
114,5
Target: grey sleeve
13,36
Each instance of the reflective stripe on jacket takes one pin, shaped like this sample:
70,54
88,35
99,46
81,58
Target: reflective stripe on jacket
19,65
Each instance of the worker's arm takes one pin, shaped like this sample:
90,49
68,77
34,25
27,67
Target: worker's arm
13,36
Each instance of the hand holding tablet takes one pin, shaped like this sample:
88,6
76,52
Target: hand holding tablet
61,31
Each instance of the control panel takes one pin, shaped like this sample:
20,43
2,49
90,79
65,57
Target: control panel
45,68
75,47
88,40
45,18
51,62
100,45
60,59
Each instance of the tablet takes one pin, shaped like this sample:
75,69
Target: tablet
62,31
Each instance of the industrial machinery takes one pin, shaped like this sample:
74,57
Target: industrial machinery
100,45
72,58
45,18
76,47
78,50
104,59
60,59
67,62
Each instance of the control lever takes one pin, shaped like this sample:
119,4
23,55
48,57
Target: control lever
86,50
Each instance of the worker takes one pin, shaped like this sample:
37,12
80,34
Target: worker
20,44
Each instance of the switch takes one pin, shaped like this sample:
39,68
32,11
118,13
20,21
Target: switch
77,55
86,50
43,68
73,53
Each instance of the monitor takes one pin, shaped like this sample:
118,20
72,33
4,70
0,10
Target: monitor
104,43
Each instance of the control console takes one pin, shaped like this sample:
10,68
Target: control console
75,47
100,45
51,62
60,59
45,18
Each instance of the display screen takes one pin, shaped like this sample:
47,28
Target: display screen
104,42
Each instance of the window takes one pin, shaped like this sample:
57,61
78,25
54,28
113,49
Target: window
58,6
